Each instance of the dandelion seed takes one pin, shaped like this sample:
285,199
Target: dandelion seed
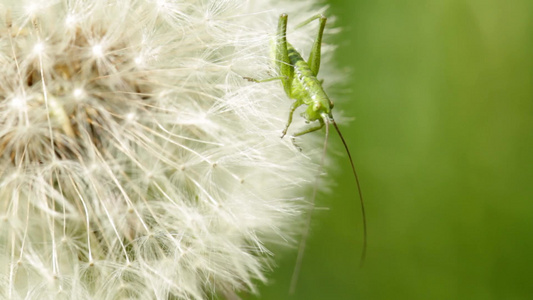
70,20
78,93
139,60
18,103
38,48
98,50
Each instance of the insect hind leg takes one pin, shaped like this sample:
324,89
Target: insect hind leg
311,19
283,63
314,57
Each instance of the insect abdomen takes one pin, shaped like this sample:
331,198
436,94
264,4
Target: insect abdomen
305,84
301,69
306,87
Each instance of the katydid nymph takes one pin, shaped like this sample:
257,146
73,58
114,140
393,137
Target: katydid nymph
299,79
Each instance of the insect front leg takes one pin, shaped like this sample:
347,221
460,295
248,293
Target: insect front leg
315,128
294,106
311,129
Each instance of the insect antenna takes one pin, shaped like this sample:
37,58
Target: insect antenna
305,234
363,214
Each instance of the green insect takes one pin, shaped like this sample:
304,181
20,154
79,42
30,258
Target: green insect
299,79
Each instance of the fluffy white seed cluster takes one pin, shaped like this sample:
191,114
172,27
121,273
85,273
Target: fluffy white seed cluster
136,163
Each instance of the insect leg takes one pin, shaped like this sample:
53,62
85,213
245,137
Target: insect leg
283,63
294,106
314,57
311,19
304,132
265,80
319,126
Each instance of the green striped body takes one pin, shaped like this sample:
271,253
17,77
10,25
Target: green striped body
306,88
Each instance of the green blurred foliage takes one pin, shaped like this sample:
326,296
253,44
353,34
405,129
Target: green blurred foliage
442,95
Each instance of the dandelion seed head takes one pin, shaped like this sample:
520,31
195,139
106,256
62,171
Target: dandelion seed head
135,162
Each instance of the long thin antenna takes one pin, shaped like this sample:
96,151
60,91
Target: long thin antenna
363,254
305,234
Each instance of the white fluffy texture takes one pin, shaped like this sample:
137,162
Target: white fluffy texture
135,160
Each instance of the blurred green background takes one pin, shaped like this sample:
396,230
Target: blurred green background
442,95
